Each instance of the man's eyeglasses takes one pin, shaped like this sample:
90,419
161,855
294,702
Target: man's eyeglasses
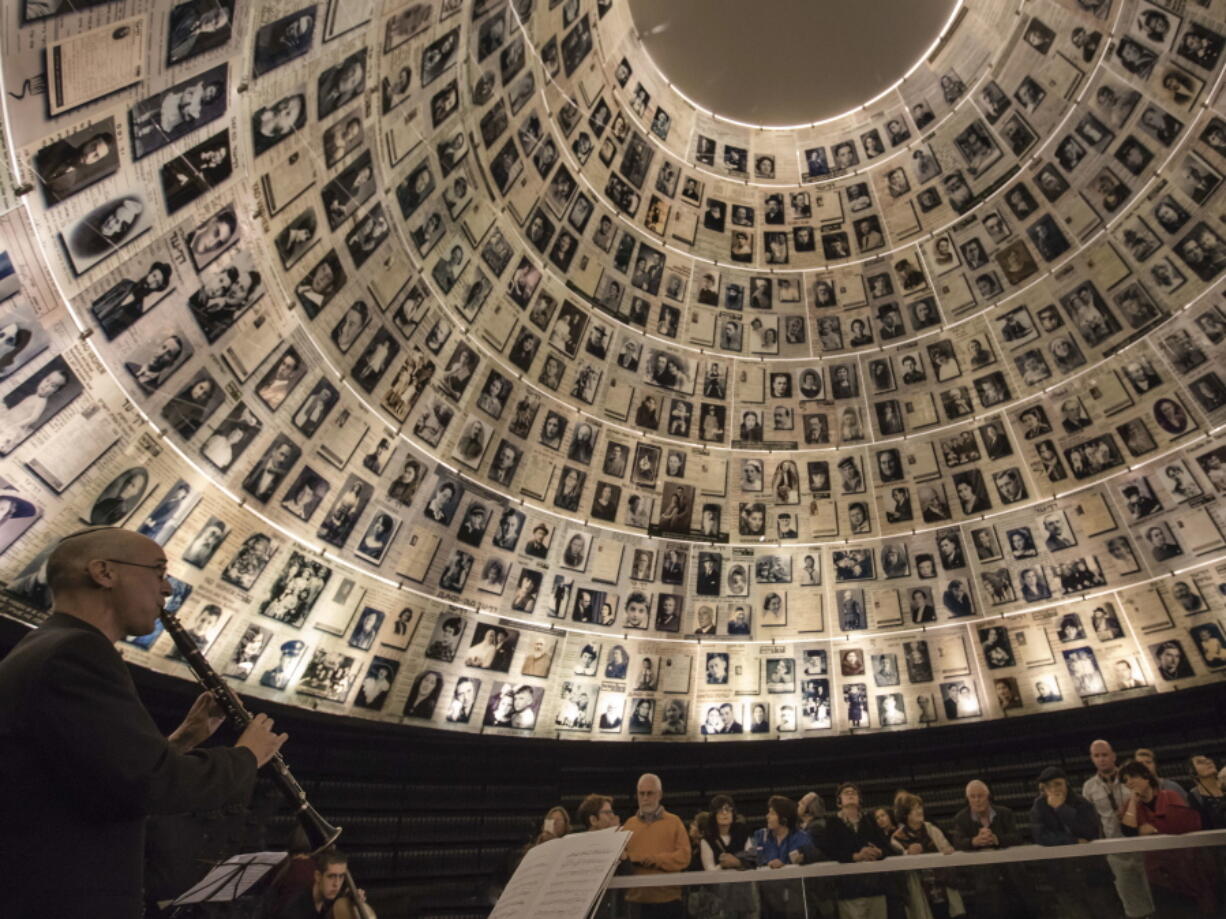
159,567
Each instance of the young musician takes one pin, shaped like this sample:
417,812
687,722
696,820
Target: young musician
327,898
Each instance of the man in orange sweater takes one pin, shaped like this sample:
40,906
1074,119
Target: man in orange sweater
660,844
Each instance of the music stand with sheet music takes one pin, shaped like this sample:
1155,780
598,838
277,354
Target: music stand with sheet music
231,878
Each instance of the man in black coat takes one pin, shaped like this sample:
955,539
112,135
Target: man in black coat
82,763
852,835
1061,817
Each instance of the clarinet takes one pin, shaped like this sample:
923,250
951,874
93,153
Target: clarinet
320,834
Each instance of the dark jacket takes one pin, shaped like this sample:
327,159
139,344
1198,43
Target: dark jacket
81,766
840,842
1075,819
966,828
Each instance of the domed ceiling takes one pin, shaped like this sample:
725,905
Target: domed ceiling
474,377
792,62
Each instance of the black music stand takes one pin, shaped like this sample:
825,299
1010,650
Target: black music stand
231,878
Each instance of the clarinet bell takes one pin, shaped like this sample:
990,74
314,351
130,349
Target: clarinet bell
319,832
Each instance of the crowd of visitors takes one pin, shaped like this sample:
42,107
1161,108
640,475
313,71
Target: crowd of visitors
1131,799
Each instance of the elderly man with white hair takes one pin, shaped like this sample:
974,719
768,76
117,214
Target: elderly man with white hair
660,844
997,889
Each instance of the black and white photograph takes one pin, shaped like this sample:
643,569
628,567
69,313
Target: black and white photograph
36,400
249,562
293,594
157,359
351,500
230,439
341,83
163,118
272,124
105,230
513,705
23,337
271,469
284,39
66,166
226,292
304,495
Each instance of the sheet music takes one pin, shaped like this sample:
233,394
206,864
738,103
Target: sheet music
232,878
563,877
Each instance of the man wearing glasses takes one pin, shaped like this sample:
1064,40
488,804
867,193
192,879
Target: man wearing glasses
82,763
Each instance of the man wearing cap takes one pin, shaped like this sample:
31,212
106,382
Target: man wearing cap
278,677
1061,817
538,545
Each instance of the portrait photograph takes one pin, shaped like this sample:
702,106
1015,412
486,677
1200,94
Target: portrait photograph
163,118
284,39
105,229
492,647
513,706
292,654
206,542
272,124
246,654
157,359
35,401
177,503
341,83
303,496
351,501
1083,668
225,294
73,163
22,336
231,437
375,686
197,26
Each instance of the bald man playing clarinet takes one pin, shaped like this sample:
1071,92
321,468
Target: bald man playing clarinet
82,763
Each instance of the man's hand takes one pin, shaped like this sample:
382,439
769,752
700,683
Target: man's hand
984,837
796,857
260,740
203,718
1146,829
774,863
